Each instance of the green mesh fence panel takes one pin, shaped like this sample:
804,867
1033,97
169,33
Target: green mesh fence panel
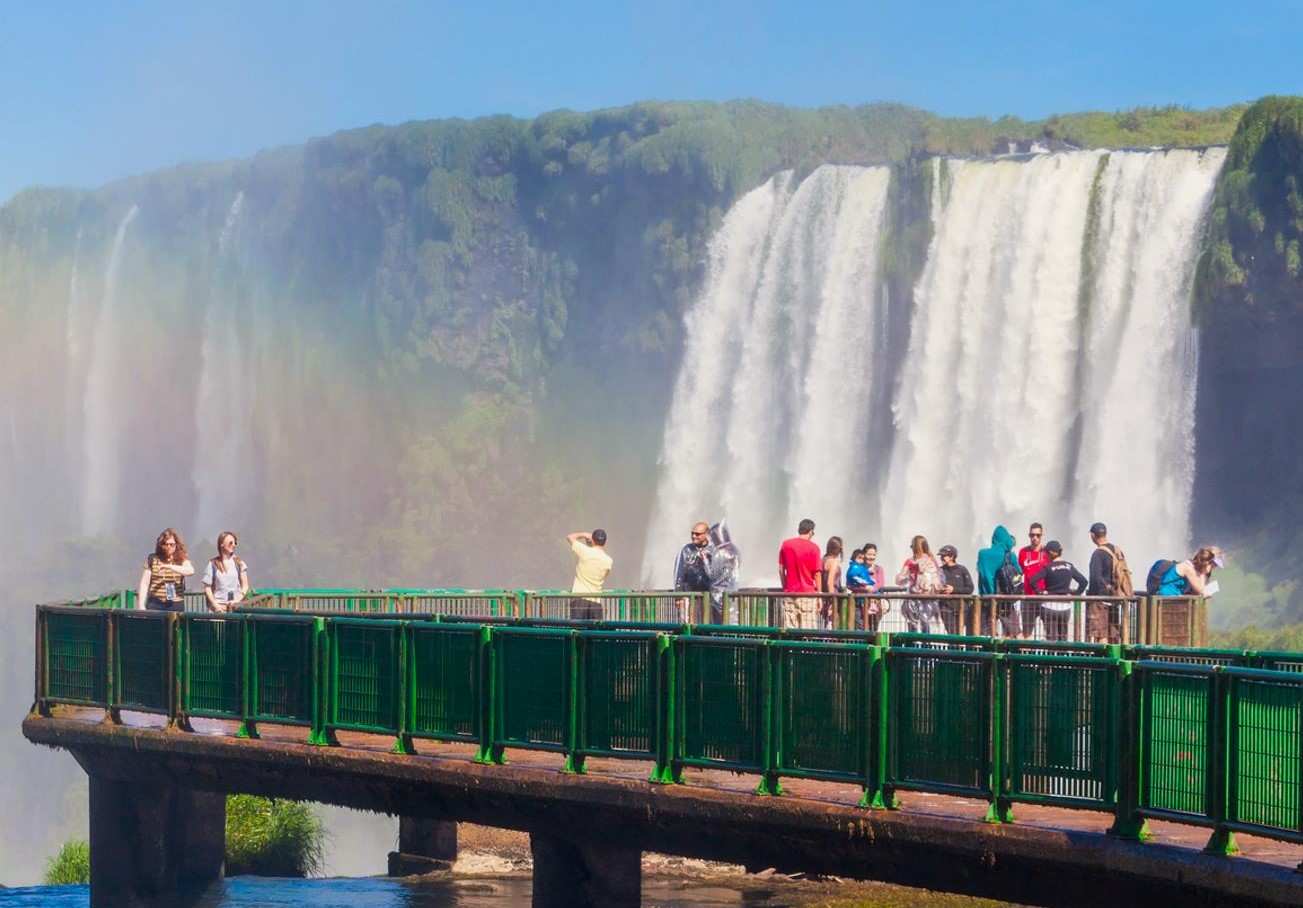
342,603
75,669
474,605
1189,655
445,680
1062,731
619,694
282,669
533,685
364,667
1266,752
940,722
824,711
141,661
722,693
1175,742
213,656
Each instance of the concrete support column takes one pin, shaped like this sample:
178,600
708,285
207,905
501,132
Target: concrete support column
149,839
423,846
587,875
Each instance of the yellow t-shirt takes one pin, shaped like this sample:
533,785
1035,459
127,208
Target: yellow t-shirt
591,568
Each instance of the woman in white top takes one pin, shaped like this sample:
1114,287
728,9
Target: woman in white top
226,580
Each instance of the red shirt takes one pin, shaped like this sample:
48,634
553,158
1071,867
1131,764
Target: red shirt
1030,561
800,558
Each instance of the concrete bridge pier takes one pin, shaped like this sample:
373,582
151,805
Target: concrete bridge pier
423,846
151,840
570,874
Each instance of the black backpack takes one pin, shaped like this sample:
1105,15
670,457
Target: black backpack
1154,579
1008,579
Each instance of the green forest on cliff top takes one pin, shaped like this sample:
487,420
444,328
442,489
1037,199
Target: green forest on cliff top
486,253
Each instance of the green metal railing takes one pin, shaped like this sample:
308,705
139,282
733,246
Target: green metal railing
1199,737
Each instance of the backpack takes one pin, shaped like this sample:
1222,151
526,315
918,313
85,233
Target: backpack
1154,580
1008,578
1120,585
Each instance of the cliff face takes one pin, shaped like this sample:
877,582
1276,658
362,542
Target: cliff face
1249,481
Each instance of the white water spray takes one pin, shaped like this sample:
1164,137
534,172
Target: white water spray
787,315
1049,374
105,397
224,412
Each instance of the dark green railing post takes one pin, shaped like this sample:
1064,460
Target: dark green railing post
575,756
997,687
112,653
488,753
876,794
249,681
407,692
176,655
771,693
321,667
1222,842
1127,822
662,772
40,699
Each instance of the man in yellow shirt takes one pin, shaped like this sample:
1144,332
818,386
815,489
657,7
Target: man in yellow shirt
592,565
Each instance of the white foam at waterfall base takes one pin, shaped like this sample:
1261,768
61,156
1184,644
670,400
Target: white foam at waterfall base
1049,373
105,396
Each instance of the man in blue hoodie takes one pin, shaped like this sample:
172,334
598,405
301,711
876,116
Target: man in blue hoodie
989,562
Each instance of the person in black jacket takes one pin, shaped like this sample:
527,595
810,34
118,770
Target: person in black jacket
1057,579
955,581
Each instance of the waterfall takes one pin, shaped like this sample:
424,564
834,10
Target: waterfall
1049,373
224,411
770,406
105,397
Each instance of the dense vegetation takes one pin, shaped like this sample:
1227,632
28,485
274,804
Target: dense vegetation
1257,218
264,837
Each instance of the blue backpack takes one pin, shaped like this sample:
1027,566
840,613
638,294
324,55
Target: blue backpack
1154,579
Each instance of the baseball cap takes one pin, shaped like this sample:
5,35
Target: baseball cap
1054,547
1096,529
948,550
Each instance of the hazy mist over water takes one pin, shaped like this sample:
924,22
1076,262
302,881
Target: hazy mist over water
168,361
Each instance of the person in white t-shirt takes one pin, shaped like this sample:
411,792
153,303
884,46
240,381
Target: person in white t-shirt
592,565
226,579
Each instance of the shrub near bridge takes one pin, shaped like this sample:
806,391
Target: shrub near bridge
264,837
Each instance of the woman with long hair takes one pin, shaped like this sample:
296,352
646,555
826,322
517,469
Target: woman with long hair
1190,578
830,581
162,582
920,574
226,579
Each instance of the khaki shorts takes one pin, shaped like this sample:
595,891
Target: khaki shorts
800,611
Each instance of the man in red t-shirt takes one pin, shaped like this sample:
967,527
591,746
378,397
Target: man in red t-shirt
799,568
1031,558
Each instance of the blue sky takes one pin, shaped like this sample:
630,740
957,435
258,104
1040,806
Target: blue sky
92,92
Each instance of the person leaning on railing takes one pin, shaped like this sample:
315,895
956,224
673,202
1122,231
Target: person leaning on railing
162,582
1191,578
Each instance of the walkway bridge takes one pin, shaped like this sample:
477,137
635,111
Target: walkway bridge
893,756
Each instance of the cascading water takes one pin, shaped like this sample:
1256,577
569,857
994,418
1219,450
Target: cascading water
763,414
1049,374
103,421
224,412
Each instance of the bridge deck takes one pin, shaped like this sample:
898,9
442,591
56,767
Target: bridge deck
921,804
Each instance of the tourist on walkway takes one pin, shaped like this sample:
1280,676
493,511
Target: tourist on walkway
997,575
869,610
830,581
226,579
955,581
692,570
592,565
1103,619
1190,578
1031,558
920,575
1057,579
162,582
799,572
725,562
